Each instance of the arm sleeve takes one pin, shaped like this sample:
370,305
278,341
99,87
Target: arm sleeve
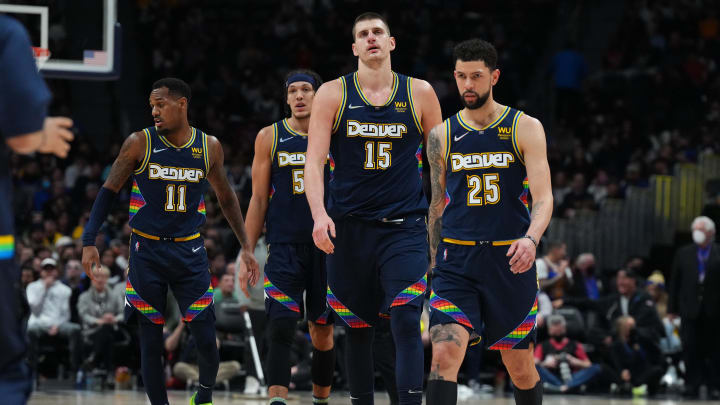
24,97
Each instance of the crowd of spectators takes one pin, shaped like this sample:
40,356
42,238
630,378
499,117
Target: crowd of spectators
652,104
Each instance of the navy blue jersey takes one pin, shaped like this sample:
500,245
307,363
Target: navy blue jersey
288,218
487,188
378,154
23,104
168,188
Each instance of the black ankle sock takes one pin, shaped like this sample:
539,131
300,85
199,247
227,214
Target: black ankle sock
441,392
208,358
532,396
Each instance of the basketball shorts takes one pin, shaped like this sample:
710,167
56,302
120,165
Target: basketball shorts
156,265
474,287
295,282
376,266
13,309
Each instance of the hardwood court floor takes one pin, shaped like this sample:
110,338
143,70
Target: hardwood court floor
59,397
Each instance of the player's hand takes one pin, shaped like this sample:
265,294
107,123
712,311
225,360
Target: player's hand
322,226
247,274
90,257
523,255
57,136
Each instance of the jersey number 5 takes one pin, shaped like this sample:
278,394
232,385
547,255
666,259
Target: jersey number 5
298,181
488,182
170,200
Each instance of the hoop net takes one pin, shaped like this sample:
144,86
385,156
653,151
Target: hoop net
41,56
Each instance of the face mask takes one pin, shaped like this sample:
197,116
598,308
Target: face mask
698,237
558,338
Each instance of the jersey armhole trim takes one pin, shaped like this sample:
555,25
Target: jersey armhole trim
447,140
273,147
341,109
206,153
146,158
514,137
412,105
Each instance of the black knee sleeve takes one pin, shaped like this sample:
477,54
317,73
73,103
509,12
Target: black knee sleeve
281,332
533,396
323,367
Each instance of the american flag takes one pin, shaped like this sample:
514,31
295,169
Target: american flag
98,58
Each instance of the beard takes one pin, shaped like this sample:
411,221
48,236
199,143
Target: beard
479,100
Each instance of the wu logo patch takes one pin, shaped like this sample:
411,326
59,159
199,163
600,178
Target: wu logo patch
401,106
504,132
197,153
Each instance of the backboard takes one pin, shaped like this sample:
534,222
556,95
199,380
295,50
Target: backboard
82,36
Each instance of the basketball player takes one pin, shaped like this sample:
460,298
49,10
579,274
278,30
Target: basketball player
374,121
171,164
294,265
482,236
25,129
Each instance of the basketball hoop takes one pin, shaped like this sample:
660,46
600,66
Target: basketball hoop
41,56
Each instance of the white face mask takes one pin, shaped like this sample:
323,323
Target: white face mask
699,237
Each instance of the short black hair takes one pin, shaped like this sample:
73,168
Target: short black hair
316,77
476,50
554,244
177,87
369,15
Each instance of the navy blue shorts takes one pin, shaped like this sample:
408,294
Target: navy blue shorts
291,270
156,265
12,306
474,287
376,266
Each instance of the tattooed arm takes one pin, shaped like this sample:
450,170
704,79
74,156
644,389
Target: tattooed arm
436,158
228,201
131,154
532,145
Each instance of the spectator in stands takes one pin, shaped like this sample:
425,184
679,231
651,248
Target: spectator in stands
49,301
695,299
183,348
27,276
637,363
655,287
578,199
627,301
77,281
569,69
562,363
585,283
226,289
553,272
100,311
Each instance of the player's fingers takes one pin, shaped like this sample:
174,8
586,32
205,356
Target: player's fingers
332,229
512,249
63,121
65,134
243,287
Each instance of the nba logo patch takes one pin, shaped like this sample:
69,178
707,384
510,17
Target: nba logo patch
137,246
445,254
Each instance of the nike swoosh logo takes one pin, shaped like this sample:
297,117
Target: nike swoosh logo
158,150
196,249
352,107
457,138
352,397
285,139
414,392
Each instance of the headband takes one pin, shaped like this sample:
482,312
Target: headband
300,77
